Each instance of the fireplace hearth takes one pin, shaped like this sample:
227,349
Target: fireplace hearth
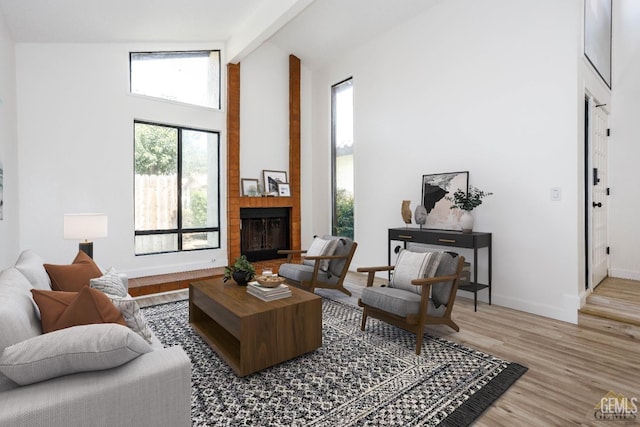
263,232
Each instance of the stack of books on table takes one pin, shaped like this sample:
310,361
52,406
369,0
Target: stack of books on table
268,294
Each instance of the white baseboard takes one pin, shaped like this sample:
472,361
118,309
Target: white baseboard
624,274
568,313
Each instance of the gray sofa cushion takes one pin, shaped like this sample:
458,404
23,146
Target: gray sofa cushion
71,350
301,272
18,320
31,265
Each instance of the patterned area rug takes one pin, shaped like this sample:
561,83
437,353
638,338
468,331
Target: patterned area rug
355,378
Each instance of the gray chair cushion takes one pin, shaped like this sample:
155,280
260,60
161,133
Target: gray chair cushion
440,291
301,272
397,301
343,248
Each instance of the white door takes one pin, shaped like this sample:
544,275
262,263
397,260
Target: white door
598,128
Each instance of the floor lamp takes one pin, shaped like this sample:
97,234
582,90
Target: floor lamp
84,227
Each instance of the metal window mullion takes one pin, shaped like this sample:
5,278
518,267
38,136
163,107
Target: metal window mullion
179,192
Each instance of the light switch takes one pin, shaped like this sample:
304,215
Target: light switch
556,194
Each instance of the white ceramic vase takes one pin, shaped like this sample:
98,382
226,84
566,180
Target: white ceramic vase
466,222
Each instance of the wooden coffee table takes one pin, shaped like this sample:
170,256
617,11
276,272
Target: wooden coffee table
251,334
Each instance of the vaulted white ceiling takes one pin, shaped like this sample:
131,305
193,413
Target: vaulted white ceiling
314,30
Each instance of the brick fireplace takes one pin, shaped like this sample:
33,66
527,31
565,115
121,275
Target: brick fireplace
237,202
264,232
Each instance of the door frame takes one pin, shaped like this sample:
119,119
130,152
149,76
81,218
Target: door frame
590,104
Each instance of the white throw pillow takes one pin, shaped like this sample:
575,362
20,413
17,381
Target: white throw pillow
414,265
321,247
110,283
133,317
71,350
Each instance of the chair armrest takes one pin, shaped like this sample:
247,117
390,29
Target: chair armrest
375,269
430,280
321,257
371,272
290,253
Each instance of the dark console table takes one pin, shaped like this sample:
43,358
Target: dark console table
456,239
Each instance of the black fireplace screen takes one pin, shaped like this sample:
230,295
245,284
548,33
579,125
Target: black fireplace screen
264,232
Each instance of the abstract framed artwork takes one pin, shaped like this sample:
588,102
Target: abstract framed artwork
249,187
597,37
272,179
435,190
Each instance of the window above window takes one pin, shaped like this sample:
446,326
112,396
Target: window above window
191,77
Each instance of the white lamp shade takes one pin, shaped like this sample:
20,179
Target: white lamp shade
85,226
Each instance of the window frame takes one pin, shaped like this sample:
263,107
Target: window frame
219,107
334,184
180,230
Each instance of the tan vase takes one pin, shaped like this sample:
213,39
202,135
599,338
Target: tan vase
406,211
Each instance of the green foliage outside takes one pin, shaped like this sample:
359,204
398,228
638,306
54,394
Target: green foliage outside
196,214
344,214
156,150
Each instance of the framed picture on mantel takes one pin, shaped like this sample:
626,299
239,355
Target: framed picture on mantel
435,190
272,179
249,187
284,190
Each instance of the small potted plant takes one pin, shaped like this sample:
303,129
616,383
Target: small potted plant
241,271
467,201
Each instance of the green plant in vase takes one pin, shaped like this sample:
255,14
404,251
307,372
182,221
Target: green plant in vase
467,201
242,271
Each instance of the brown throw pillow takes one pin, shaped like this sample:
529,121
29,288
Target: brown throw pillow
59,310
71,278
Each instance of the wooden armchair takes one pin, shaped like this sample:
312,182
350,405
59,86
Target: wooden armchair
325,264
406,302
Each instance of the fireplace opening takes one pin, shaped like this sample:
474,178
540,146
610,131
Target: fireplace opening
263,232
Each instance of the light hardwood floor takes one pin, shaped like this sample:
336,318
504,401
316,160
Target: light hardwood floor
570,367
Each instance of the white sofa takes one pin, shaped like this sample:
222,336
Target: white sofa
153,389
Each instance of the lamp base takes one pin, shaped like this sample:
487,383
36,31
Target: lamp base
87,248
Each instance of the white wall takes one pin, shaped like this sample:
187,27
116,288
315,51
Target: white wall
264,123
75,127
624,147
264,107
9,236
489,87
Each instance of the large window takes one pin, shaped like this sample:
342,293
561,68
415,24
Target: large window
192,77
177,190
342,157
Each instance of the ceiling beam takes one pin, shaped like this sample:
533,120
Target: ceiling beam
265,22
